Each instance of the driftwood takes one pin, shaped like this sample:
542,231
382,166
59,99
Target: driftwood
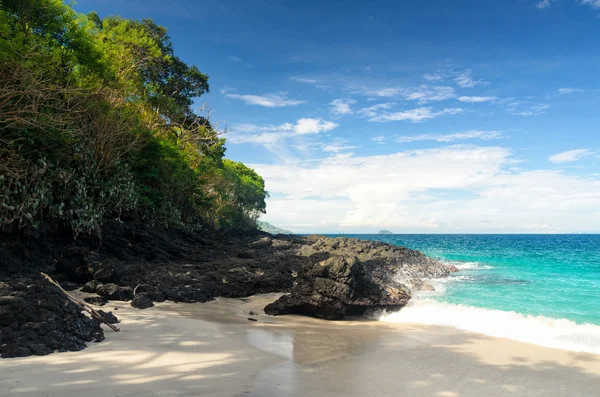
83,305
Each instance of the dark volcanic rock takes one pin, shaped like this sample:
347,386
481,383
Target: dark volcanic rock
91,286
115,292
334,277
141,301
348,277
109,317
41,321
96,300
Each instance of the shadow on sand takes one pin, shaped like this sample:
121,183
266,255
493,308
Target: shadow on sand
160,353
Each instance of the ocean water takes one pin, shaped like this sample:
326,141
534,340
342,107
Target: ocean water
542,289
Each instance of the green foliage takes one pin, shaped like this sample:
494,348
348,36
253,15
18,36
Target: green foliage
96,118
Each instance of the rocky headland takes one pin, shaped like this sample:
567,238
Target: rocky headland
330,278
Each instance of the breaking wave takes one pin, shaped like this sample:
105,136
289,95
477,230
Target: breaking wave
539,330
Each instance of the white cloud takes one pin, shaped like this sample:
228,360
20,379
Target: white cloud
313,126
337,147
386,92
531,111
425,93
373,111
238,60
592,3
570,156
433,76
271,134
277,100
543,4
476,99
379,139
565,91
453,189
341,106
263,138
484,135
304,80
415,115
465,79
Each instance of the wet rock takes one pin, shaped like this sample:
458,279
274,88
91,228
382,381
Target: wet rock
115,292
141,301
347,277
96,300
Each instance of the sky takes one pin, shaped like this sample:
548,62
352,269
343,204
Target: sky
434,116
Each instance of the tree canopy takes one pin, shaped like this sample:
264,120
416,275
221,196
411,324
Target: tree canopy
97,118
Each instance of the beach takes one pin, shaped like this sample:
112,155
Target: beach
212,349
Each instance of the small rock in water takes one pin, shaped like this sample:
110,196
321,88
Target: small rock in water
252,319
427,287
252,313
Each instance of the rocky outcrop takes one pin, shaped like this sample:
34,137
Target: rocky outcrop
345,277
329,278
35,318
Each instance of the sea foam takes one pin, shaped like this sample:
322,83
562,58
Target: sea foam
469,265
540,330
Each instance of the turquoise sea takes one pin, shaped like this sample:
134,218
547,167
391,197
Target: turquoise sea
542,289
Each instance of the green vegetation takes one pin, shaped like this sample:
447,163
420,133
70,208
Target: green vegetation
96,119
267,227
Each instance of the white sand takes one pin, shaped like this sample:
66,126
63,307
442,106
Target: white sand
213,350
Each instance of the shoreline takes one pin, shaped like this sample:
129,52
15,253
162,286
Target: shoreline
212,349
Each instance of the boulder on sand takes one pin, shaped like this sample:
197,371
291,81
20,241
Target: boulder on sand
141,301
346,277
115,292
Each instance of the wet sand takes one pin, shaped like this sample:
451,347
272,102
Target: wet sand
212,349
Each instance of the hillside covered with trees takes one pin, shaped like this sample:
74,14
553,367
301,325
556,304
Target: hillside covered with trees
97,119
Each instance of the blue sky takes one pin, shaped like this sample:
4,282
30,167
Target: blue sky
418,117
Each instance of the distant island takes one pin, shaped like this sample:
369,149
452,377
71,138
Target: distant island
267,227
385,232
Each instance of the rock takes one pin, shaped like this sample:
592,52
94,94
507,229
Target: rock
105,273
115,292
453,269
427,287
96,300
252,319
109,317
91,286
42,320
349,277
141,301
